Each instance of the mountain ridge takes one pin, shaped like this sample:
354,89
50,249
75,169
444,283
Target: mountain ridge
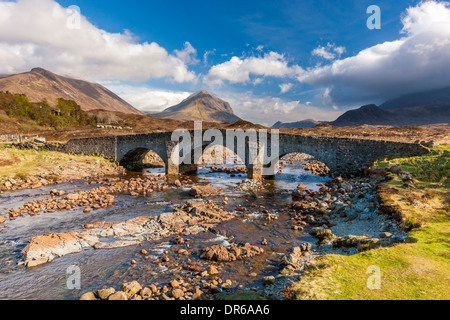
308,123
200,106
418,108
40,83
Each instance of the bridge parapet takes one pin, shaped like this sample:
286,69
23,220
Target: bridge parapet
344,156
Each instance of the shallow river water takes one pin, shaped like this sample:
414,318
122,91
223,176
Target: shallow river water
112,267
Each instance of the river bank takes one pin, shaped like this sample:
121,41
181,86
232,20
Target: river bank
33,169
198,237
418,196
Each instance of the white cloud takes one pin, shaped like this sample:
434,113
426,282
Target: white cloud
148,99
238,70
326,98
188,54
324,53
257,81
268,110
329,52
207,54
418,61
285,87
37,33
339,50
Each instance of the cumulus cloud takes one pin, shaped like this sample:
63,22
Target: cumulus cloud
148,99
285,87
417,61
268,110
43,33
239,70
188,55
257,81
328,52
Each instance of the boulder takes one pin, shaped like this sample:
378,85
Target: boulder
146,292
88,296
177,183
131,288
177,293
385,235
268,280
105,293
347,186
322,234
120,295
72,196
174,284
204,191
212,270
198,294
221,253
362,243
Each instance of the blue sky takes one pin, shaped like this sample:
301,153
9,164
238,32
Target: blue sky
273,60
237,28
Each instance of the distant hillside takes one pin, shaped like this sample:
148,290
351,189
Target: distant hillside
201,106
423,108
433,97
242,124
370,114
17,111
40,84
309,123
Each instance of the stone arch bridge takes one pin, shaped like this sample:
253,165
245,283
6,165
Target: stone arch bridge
343,156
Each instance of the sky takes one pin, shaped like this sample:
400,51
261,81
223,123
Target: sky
272,60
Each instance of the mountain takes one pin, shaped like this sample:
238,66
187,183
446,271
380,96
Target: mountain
201,106
422,108
433,97
40,83
309,123
370,114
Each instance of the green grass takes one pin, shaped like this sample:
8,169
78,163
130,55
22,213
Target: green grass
417,269
23,163
431,168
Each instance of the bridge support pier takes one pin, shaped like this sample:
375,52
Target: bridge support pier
173,167
254,172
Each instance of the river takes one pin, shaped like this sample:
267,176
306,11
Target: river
110,268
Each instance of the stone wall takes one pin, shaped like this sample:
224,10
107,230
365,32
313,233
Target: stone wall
104,146
343,156
347,156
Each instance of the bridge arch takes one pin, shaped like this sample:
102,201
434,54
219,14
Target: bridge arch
303,161
136,157
344,156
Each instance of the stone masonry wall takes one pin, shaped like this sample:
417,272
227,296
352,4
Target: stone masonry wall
342,155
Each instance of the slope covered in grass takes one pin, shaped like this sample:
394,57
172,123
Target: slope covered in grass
417,269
